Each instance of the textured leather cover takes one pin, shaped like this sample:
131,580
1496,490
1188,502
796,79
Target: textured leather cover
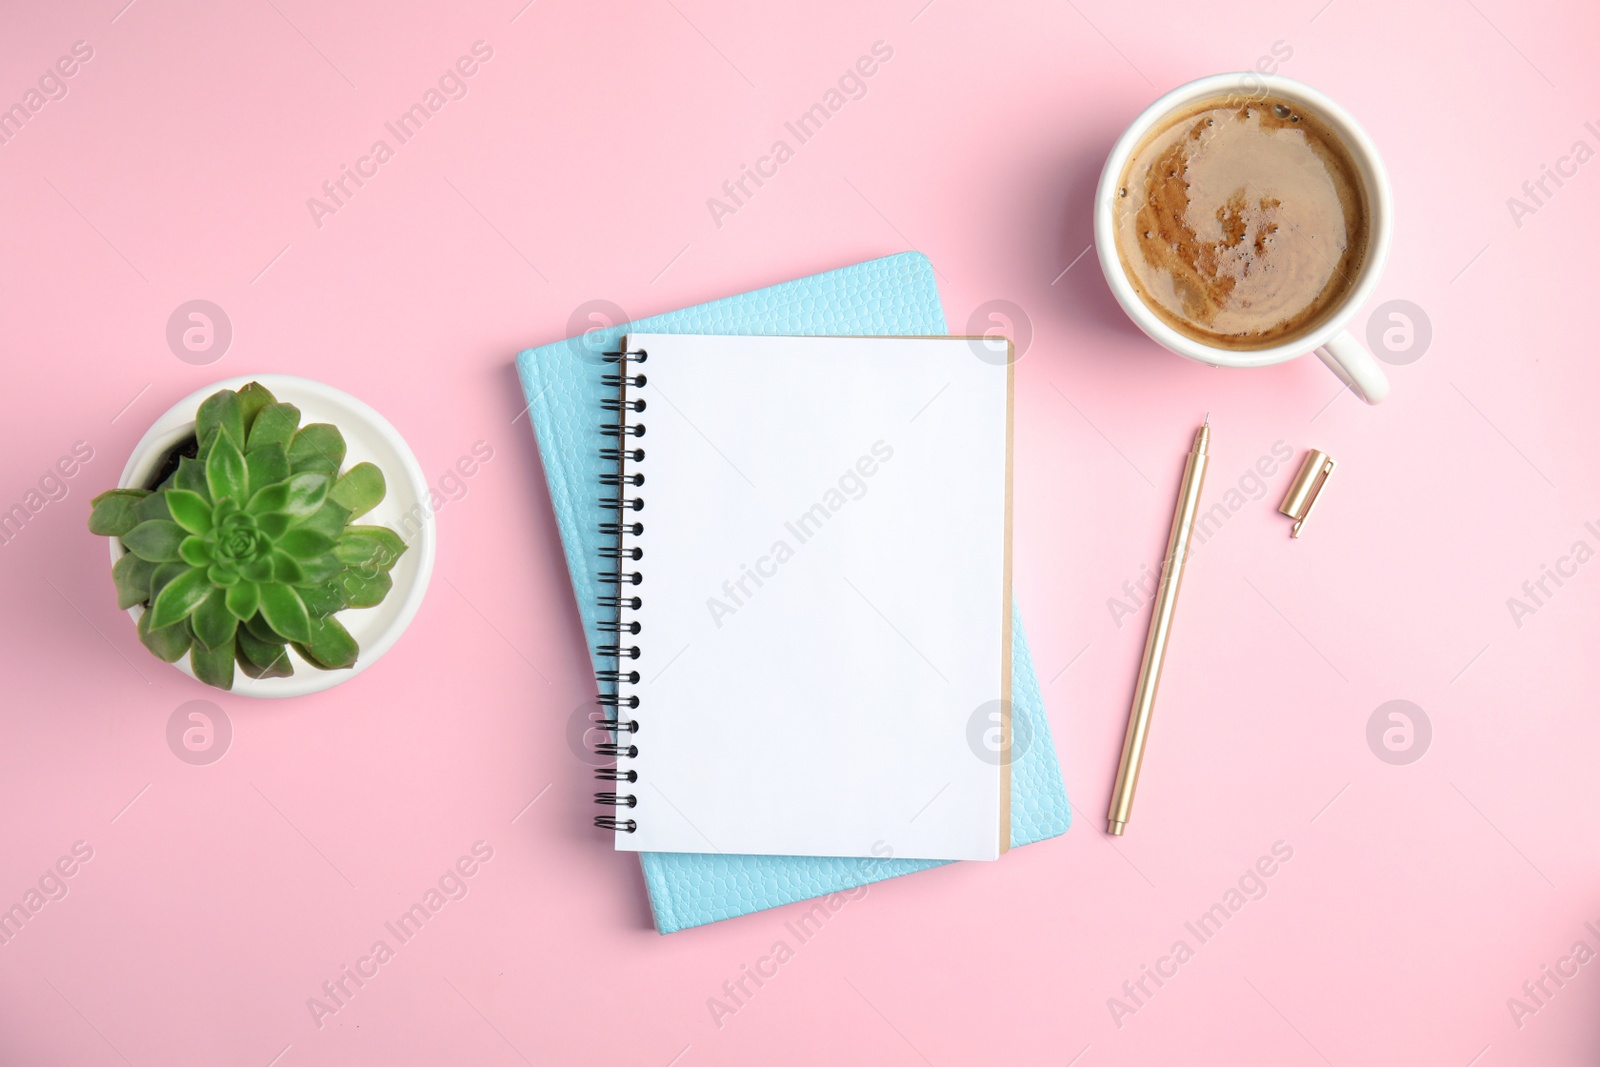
893,295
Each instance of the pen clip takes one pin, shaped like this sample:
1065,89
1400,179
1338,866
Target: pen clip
1305,488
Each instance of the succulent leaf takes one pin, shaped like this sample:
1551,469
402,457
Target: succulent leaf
212,622
191,475
359,489
195,551
153,506
221,411
168,643
275,424
213,666
189,510
226,475
274,524
319,569
285,613
262,659
305,544
369,549
269,500
331,647
179,597
262,630
323,597
329,519
306,493
361,591
267,465
286,569
318,447
163,574
112,513
242,599
132,578
156,540
252,398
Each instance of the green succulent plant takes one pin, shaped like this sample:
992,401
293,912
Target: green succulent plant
245,545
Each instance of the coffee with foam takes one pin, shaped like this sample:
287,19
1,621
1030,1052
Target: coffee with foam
1241,225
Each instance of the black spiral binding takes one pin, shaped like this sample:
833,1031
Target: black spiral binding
621,511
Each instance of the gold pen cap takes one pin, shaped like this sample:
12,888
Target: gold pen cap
1305,488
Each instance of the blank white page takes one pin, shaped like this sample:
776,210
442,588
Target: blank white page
823,627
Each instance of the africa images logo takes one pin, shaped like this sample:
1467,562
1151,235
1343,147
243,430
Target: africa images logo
199,732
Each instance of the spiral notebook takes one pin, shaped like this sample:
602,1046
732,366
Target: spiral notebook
896,294
812,595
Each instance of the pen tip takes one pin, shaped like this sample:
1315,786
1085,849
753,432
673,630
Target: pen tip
1208,418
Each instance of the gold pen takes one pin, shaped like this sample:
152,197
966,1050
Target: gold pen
1155,642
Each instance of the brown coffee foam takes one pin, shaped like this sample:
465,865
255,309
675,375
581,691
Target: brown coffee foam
1245,221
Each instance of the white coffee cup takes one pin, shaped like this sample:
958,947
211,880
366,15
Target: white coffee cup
1331,341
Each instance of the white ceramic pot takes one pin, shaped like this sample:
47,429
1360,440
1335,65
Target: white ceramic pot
405,509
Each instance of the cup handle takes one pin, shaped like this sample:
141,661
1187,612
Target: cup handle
1354,365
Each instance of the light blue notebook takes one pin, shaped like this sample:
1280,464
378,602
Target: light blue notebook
562,382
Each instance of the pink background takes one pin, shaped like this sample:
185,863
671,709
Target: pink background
219,898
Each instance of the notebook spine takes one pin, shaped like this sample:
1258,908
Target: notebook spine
620,505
